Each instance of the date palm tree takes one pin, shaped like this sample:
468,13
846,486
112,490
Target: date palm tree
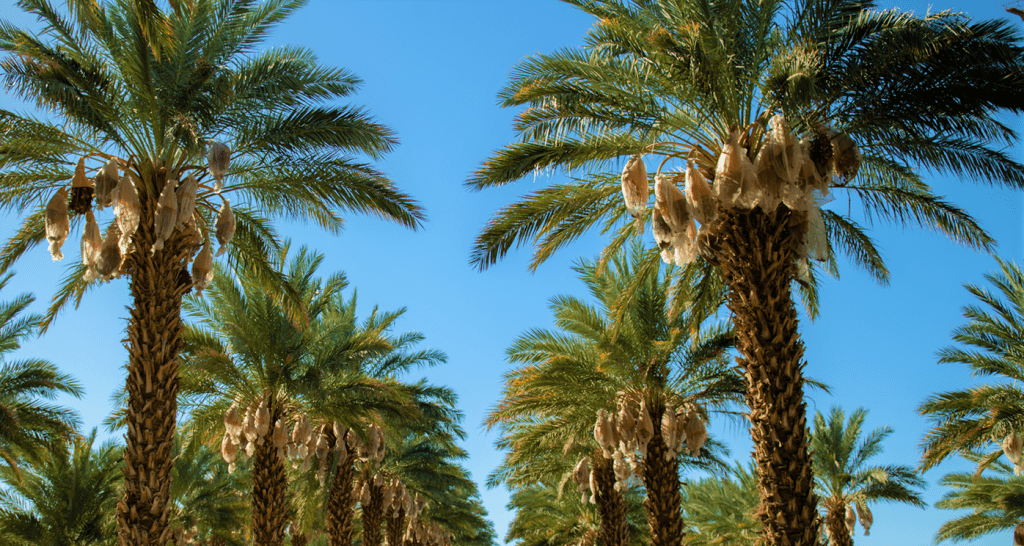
846,480
697,83
208,500
543,517
985,416
595,359
136,92
67,497
254,346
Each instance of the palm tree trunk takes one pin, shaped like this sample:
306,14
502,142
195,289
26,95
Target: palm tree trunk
661,478
341,503
395,525
835,522
154,341
613,530
269,491
758,254
373,515
299,539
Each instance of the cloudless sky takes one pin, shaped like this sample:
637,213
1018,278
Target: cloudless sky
431,71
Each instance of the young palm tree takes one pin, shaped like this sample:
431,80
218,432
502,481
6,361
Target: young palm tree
700,81
67,497
137,91
994,497
304,362
968,420
721,510
550,405
29,426
209,505
545,518
845,479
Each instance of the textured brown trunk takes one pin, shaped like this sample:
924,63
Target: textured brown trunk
217,541
661,478
154,341
299,539
373,515
758,253
341,504
269,491
613,530
835,522
395,525
1018,535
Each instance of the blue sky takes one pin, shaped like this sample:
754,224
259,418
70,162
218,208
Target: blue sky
431,71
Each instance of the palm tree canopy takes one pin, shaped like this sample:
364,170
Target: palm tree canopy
152,86
721,509
29,421
843,473
669,79
989,342
995,499
621,344
66,499
301,343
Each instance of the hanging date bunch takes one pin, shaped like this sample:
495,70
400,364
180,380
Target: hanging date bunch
422,533
765,166
181,202
624,437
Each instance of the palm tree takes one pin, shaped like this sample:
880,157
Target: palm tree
302,363
136,92
209,504
995,498
845,479
66,498
29,426
600,357
715,83
721,510
967,420
545,518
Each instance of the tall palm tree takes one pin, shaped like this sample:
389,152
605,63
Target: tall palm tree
846,480
697,85
967,420
254,346
29,424
66,498
137,91
595,359
994,497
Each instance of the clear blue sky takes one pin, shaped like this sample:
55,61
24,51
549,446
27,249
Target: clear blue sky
431,70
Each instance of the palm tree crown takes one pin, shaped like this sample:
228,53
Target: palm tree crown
845,479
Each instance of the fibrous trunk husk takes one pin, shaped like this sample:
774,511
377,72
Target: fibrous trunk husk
758,253
340,503
1018,535
269,492
835,520
614,529
661,478
299,539
154,342
395,525
373,515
